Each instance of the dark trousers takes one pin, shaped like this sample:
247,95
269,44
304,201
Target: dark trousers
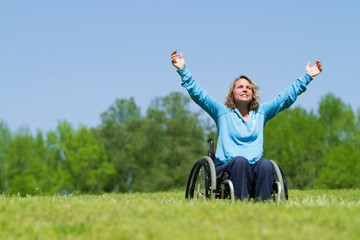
250,180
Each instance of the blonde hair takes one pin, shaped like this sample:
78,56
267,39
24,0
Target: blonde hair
253,105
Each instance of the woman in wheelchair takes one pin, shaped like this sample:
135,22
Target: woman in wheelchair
240,123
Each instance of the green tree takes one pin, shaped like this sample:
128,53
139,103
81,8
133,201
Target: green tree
341,167
294,140
154,152
22,164
5,139
340,163
82,161
180,137
337,118
118,132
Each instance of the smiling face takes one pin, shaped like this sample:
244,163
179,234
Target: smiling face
242,92
234,95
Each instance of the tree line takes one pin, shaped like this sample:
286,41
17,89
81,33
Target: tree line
130,151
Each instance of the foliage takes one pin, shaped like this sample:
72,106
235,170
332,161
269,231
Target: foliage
134,152
155,151
316,150
66,161
293,139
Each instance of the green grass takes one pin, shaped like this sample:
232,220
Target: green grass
311,214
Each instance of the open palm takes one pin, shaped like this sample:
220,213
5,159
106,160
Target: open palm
176,61
314,70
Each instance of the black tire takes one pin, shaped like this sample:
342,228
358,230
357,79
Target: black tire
201,180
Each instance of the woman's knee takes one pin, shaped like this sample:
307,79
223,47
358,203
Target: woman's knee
240,165
265,165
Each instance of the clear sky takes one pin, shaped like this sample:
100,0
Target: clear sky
70,59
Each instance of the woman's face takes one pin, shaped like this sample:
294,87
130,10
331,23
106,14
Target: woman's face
242,91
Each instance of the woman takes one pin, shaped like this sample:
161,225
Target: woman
240,123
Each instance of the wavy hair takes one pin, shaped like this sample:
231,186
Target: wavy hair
253,105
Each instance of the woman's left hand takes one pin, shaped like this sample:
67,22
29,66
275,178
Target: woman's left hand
314,70
176,61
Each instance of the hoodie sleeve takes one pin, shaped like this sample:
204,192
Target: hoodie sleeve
286,98
200,96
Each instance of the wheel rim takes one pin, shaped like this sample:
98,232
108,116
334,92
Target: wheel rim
199,187
202,180
279,195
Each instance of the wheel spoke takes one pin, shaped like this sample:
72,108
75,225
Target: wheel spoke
200,185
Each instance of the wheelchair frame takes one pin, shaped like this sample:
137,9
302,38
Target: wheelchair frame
203,180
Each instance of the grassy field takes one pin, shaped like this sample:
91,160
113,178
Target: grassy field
311,214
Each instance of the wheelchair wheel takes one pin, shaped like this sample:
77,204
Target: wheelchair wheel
202,180
280,192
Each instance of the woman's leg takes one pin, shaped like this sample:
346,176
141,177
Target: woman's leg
264,176
240,174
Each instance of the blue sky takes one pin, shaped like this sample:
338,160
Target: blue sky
70,60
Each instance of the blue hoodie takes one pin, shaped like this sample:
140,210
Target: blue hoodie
237,137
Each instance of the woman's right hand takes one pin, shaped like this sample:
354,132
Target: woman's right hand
176,61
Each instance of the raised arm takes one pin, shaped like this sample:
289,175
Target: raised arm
197,94
286,98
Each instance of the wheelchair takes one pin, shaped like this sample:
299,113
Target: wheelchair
203,183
